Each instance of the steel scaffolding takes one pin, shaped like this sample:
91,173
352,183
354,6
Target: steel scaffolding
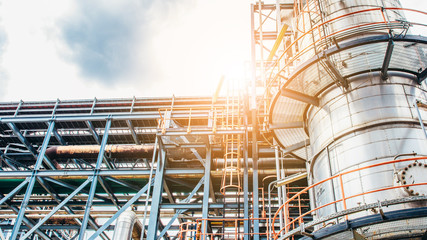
70,168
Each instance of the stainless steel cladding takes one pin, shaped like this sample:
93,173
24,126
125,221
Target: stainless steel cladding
352,81
344,20
371,123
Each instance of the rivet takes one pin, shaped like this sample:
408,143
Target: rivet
406,168
404,182
414,164
417,193
403,177
412,191
420,164
409,166
403,172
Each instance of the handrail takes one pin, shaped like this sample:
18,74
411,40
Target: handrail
388,24
344,198
188,230
237,223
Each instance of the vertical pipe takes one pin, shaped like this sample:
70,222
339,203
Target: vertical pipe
278,17
254,130
124,225
420,118
283,188
92,190
279,189
28,192
255,174
246,185
205,209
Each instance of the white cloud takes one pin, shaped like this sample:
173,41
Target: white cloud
180,47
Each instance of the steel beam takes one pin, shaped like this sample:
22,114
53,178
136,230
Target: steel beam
18,108
422,76
72,187
132,131
387,58
123,183
180,211
206,188
32,181
28,222
296,146
96,117
147,198
157,194
300,97
28,145
94,181
12,193
246,223
62,204
56,226
169,195
58,199
93,132
179,181
109,192
161,227
334,72
103,172
287,125
117,214
253,111
58,137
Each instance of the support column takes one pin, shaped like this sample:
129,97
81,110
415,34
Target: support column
32,181
279,189
246,223
92,191
157,194
253,108
255,199
205,209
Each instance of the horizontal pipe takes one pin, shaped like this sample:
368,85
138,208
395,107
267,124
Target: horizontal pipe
133,174
129,151
80,216
91,151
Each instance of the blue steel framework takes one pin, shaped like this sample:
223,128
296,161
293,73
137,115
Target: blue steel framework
50,196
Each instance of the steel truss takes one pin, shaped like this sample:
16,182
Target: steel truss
81,196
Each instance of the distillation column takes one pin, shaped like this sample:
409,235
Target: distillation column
353,78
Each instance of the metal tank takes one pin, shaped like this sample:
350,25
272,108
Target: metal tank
353,82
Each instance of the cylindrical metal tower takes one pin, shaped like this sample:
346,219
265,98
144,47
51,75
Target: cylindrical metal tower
352,78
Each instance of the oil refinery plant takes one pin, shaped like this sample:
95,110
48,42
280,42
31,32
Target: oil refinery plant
326,141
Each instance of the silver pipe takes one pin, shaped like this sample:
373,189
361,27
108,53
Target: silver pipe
283,190
269,201
401,155
419,117
124,225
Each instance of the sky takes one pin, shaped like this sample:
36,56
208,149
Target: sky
76,49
